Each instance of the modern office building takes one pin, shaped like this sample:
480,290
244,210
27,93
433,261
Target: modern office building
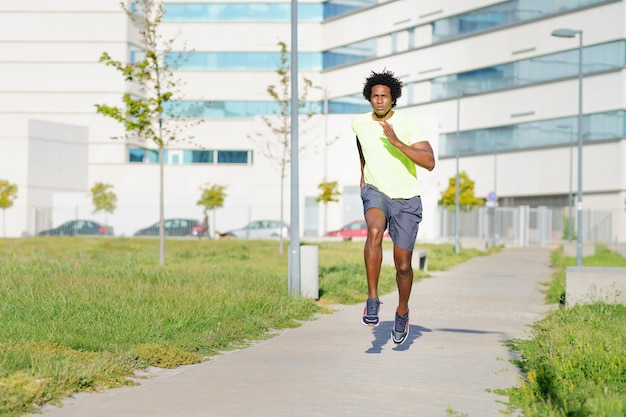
494,89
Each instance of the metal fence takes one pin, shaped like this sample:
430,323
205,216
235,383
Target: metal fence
525,226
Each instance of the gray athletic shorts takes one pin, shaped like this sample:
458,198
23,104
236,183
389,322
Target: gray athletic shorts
403,215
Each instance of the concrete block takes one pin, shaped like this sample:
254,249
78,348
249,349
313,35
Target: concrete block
309,271
570,249
592,284
420,259
478,244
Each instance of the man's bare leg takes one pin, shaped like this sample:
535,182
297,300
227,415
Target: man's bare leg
404,277
373,250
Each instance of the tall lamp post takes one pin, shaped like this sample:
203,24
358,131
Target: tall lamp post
325,173
570,33
457,205
570,196
294,231
494,218
325,155
495,192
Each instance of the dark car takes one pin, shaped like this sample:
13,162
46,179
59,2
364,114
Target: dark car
79,228
259,229
356,228
172,227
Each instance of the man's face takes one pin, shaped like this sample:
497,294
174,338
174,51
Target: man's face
381,100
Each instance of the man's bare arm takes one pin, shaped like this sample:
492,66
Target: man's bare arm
362,159
421,153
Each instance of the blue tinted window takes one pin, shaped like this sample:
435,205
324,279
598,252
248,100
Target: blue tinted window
192,156
136,155
198,157
153,156
501,14
194,109
353,104
350,53
240,12
471,22
599,126
244,61
544,68
334,8
232,157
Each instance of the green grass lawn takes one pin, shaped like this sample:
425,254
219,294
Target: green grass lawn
83,314
575,363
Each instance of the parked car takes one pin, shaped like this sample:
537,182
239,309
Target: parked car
259,229
79,228
356,228
172,227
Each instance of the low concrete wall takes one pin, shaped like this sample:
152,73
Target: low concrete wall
478,244
571,249
591,284
309,271
420,259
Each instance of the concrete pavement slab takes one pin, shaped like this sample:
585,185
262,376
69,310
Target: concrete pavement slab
335,366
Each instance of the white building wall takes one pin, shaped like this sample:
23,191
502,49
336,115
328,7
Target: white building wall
51,73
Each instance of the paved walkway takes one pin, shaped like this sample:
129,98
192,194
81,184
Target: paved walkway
334,366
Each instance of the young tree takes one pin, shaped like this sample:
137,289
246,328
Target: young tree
329,193
104,199
8,194
277,146
150,115
212,198
467,199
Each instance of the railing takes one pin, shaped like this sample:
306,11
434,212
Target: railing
525,226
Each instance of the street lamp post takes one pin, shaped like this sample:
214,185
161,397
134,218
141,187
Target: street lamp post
494,201
294,232
325,172
456,184
570,33
495,192
325,155
570,196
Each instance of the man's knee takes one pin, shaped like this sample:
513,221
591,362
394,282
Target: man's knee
405,270
375,231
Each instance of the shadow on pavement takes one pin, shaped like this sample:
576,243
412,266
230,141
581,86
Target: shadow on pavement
467,331
382,336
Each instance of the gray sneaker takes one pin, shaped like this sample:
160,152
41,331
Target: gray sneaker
370,313
400,329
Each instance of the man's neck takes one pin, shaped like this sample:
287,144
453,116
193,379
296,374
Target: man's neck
382,118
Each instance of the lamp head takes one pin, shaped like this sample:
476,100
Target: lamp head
565,33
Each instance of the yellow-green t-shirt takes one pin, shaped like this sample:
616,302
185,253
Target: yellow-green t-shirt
386,168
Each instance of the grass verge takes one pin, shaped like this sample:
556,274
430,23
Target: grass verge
575,363
85,314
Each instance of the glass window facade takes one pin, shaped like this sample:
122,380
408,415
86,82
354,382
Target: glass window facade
334,8
198,109
151,156
596,58
501,14
352,104
260,12
241,12
451,27
358,51
232,157
239,61
598,126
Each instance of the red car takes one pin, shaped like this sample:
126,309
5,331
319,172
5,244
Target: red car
356,228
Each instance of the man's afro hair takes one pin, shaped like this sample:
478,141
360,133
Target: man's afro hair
386,78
